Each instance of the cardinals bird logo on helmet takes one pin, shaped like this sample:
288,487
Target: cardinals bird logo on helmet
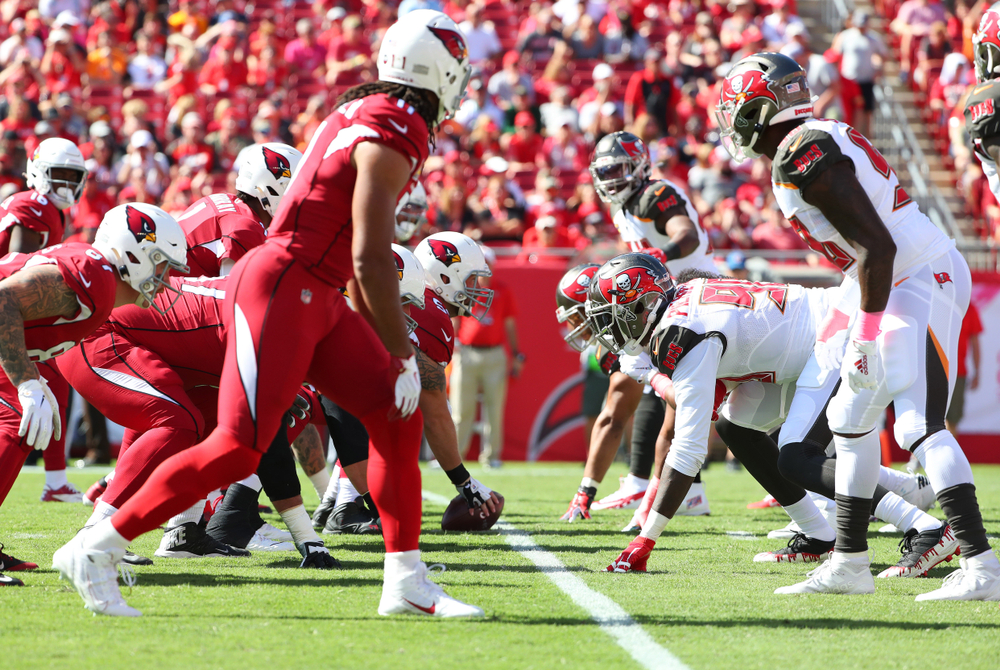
399,265
141,225
277,164
453,42
445,252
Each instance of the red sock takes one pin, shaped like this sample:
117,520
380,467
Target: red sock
143,457
55,455
394,476
184,479
12,457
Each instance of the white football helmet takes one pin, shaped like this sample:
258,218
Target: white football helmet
266,172
411,281
136,238
411,212
453,263
56,153
425,49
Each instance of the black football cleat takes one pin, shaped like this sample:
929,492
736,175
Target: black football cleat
6,580
800,549
351,519
189,540
132,558
10,564
922,551
323,512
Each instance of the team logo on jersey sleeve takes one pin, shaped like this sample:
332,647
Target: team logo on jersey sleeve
446,252
277,164
453,42
141,225
942,278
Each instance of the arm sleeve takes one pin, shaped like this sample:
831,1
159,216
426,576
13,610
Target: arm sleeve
804,155
694,390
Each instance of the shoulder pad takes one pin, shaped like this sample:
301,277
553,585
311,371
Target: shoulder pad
669,347
803,155
659,197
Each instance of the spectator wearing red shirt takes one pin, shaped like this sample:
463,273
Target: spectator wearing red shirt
968,339
191,150
182,77
62,64
775,233
480,366
565,150
266,72
543,240
349,61
223,73
90,209
524,146
303,55
19,119
650,92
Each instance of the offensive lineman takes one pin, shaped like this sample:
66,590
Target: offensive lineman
910,289
288,315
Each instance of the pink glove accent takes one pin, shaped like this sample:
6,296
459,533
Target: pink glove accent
867,327
661,384
834,322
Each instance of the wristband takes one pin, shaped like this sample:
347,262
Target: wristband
867,327
459,475
661,384
672,250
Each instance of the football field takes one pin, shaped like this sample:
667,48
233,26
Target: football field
703,605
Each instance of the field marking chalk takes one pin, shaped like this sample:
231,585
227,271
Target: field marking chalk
741,535
608,614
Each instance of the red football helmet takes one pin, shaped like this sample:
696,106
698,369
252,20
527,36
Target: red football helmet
626,295
571,300
986,44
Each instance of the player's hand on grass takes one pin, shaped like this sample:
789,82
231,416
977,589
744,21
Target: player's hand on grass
579,506
633,559
315,555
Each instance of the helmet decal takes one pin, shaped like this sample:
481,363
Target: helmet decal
632,147
276,164
453,42
628,285
445,252
576,289
399,265
140,224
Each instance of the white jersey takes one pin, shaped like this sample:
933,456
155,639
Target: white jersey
636,224
815,146
720,333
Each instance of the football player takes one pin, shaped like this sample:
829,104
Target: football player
909,289
53,298
288,315
411,212
32,220
656,217
715,339
221,228
981,118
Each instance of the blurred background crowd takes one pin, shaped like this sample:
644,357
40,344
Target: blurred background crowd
163,96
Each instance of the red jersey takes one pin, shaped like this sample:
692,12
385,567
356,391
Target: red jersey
190,337
33,211
434,334
971,325
89,275
216,227
492,330
313,221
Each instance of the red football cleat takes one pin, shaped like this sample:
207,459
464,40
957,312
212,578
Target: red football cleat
95,491
10,564
768,501
633,559
65,493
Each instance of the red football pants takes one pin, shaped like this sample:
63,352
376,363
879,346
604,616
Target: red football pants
13,449
284,326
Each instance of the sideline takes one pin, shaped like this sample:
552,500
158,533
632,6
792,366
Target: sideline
612,619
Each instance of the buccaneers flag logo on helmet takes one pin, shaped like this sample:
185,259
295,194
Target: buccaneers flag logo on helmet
277,164
627,285
445,252
577,288
453,42
399,265
141,225
632,147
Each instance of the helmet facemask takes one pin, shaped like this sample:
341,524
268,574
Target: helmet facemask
624,327
65,188
149,287
474,300
616,179
579,334
409,217
987,57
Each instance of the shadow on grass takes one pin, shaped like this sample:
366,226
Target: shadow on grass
340,577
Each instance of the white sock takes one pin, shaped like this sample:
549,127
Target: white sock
655,523
858,465
807,517
253,482
191,515
896,481
55,479
633,484
587,482
904,516
987,560
850,557
400,564
944,461
333,487
321,482
103,536
347,493
102,511
299,525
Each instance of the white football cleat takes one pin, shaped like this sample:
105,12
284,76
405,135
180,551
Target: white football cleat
696,502
833,576
973,581
276,534
919,493
65,493
417,594
93,575
628,495
786,533
260,542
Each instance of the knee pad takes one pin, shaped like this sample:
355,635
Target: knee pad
944,461
899,348
759,406
846,415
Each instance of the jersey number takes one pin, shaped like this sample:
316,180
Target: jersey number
881,166
830,250
741,293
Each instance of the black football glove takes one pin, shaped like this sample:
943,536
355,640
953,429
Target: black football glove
475,493
315,555
301,409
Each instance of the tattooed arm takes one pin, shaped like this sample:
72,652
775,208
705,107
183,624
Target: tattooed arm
35,293
309,451
438,425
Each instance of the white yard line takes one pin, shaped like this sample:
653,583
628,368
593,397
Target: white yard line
612,619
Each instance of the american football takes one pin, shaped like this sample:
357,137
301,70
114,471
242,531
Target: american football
457,516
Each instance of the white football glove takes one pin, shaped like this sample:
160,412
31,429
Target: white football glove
831,339
407,384
862,366
39,413
637,367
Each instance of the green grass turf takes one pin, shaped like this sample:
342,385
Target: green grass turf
704,599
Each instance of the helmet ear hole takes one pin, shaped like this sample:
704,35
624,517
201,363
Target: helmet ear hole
445,279
131,257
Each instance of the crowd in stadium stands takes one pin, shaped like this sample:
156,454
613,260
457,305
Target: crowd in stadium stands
162,97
